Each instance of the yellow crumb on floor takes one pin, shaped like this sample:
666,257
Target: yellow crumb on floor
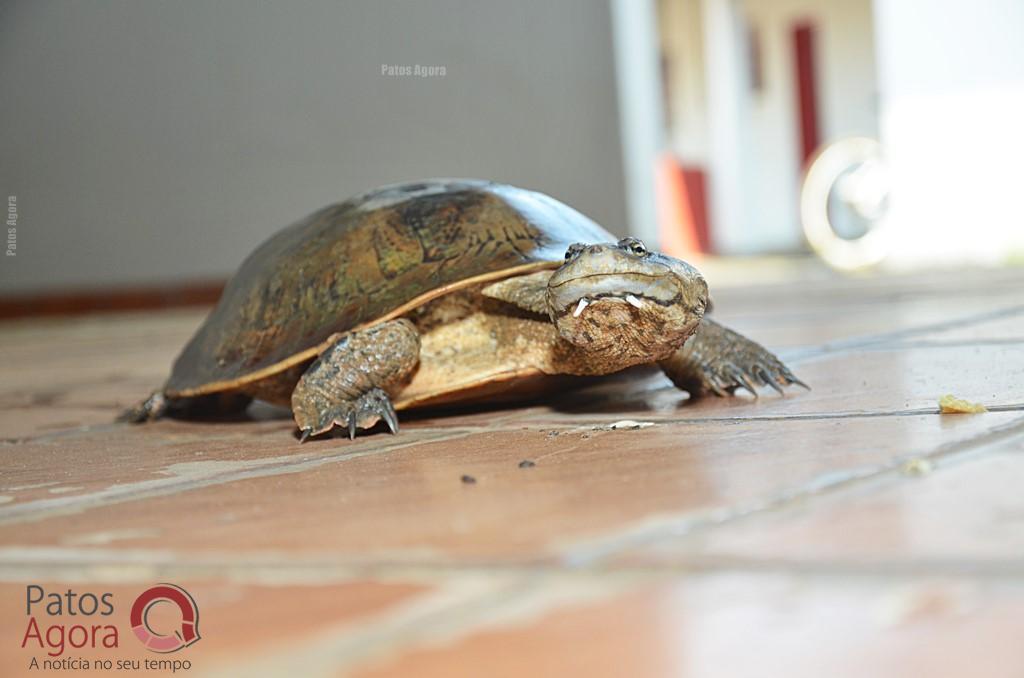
951,405
917,467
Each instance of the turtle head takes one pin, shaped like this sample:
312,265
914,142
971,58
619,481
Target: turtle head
624,297
618,302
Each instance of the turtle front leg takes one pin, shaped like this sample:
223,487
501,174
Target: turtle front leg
718,360
348,384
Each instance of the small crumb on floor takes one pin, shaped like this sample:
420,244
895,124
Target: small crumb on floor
526,463
948,404
917,467
469,480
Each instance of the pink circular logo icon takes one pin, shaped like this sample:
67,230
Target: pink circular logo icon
184,636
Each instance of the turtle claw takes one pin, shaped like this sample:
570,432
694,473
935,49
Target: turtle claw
720,361
373,406
768,381
790,379
389,416
744,381
351,415
750,371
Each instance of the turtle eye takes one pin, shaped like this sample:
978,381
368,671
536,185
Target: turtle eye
573,250
634,246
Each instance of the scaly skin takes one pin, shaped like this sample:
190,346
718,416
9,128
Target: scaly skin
662,321
619,305
347,385
717,360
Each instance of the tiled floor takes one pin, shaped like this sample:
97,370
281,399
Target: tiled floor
849,531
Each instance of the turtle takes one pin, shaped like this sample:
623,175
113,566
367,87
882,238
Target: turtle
445,291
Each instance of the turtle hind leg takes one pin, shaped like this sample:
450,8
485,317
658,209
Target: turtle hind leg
719,361
152,408
159,405
348,384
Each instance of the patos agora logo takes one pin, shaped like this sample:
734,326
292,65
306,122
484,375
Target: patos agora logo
185,635
60,622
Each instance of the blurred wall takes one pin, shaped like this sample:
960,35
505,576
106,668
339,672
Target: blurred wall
952,104
847,93
156,141
747,134
635,32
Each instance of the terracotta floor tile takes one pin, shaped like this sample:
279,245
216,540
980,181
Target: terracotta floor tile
410,502
126,461
793,328
1007,329
872,382
749,625
787,316
69,372
963,513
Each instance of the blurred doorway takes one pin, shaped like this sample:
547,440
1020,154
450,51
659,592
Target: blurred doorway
752,88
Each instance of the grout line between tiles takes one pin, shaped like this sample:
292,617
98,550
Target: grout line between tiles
79,565
40,509
586,552
869,414
801,355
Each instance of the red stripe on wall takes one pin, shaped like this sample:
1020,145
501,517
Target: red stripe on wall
695,183
682,208
807,90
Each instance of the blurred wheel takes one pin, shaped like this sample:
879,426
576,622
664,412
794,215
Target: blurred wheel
843,202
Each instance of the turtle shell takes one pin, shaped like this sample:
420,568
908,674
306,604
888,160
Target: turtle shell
366,260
